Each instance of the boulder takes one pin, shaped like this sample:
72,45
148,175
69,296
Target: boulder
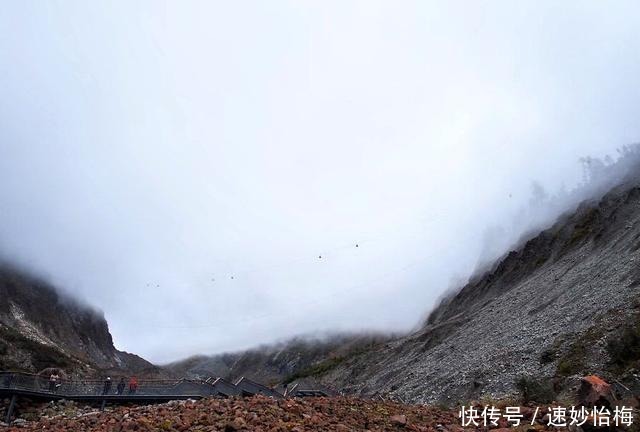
399,420
594,391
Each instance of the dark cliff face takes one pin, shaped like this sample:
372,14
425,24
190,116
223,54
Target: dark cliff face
40,328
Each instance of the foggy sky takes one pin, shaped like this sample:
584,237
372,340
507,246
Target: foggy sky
150,151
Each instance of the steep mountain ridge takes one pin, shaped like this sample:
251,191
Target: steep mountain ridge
40,328
548,310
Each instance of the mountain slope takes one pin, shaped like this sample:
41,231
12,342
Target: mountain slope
284,362
40,328
548,310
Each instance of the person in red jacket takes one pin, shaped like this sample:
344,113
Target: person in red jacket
133,385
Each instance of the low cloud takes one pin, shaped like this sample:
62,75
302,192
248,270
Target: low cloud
216,176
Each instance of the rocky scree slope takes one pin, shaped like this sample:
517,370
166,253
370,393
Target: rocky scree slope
41,328
550,310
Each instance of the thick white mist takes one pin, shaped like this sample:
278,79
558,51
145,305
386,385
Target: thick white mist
183,165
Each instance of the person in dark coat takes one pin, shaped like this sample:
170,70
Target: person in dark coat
121,385
107,386
8,380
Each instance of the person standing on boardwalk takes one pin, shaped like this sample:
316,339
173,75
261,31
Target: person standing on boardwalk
53,382
121,385
133,385
8,379
107,386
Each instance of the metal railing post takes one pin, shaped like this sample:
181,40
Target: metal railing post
12,405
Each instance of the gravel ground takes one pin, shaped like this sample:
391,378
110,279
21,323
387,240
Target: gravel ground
259,414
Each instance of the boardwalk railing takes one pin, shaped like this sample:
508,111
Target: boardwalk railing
18,384
41,385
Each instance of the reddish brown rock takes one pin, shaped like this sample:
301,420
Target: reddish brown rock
594,391
399,420
261,414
